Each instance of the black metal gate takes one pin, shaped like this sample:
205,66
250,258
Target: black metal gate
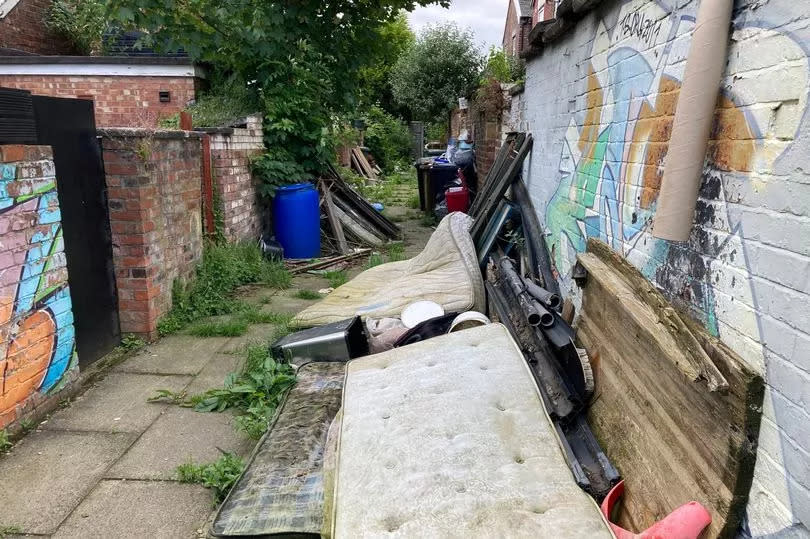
69,127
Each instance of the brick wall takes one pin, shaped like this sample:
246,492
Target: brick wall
120,101
600,102
231,151
23,28
37,345
489,128
154,181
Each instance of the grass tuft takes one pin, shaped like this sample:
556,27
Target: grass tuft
307,294
336,278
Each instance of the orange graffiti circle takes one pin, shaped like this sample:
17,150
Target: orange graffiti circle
27,359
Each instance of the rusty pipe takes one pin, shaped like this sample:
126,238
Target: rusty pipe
536,313
553,301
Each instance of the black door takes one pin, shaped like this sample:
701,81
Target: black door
69,127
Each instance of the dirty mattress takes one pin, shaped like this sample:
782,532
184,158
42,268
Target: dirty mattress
446,271
281,490
449,438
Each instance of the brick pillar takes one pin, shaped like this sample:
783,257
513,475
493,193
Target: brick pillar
154,190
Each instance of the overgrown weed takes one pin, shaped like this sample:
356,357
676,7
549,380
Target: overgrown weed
220,476
223,268
255,391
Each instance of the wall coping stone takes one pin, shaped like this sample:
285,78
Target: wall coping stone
139,132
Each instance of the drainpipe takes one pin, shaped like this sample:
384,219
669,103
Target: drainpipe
683,166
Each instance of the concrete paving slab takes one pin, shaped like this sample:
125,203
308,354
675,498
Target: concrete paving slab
118,403
178,436
175,354
214,373
140,509
48,473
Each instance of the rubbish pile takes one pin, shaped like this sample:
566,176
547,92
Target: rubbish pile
460,364
448,182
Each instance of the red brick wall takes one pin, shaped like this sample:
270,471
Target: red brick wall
24,29
154,187
37,346
510,45
119,101
230,163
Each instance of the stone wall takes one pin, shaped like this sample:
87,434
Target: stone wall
600,101
37,339
154,183
23,28
119,101
231,152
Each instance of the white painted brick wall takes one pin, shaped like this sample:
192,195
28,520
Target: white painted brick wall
745,272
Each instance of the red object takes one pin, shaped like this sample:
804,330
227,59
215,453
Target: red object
685,522
458,198
207,186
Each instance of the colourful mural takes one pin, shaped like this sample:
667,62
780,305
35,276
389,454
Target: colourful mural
612,157
36,319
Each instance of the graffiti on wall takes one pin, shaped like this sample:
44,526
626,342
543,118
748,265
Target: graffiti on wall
613,152
36,319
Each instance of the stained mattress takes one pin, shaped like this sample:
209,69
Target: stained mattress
449,438
281,491
446,271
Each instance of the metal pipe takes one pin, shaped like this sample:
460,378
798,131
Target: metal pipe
683,166
536,314
542,295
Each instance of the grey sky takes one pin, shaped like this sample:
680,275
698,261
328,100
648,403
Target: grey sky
484,17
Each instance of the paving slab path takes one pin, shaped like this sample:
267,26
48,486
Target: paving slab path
104,466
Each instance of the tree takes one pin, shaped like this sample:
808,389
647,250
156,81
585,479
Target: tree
303,56
442,66
375,78
503,67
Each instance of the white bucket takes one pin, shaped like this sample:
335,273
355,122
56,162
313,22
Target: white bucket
470,319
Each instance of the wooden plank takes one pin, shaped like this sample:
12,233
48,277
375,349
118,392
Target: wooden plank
334,222
673,438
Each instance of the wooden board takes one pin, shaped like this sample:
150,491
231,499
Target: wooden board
673,438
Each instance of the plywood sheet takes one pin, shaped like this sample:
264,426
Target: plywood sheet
674,434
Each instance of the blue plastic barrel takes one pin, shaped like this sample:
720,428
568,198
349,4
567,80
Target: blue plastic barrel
297,220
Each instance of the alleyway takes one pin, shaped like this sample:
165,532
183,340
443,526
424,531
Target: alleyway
104,465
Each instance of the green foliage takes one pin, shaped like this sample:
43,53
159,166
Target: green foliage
80,22
503,67
27,425
374,77
307,294
130,342
226,101
303,57
437,131
387,137
336,278
255,391
393,252
227,328
223,268
6,531
442,66
236,325
5,443
220,475
413,202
